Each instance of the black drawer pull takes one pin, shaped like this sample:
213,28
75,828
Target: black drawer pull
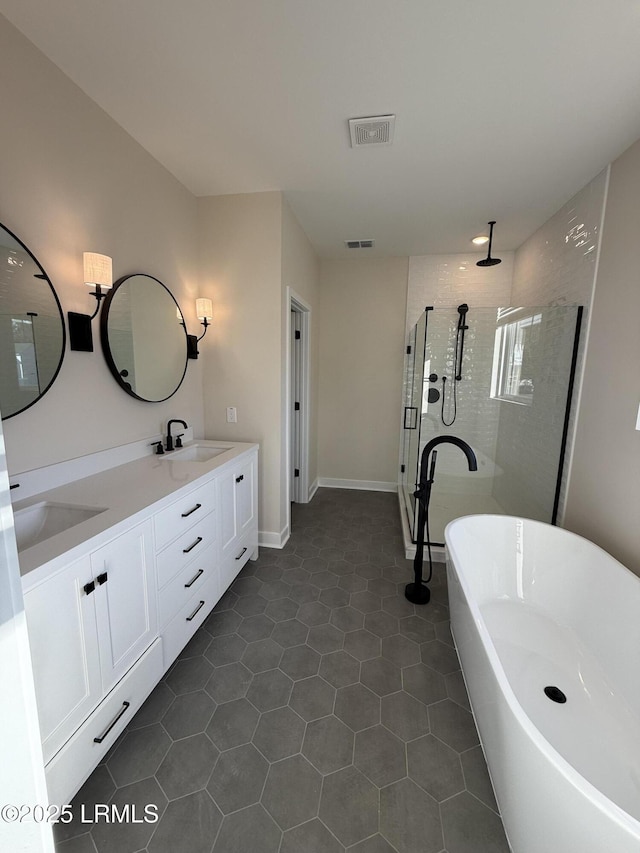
194,579
241,554
125,705
240,478
103,578
189,511
191,547
193,615
89,587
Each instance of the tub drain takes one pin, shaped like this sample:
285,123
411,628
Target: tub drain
555,694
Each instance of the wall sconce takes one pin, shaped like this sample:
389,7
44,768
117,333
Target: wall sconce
204,313
98,273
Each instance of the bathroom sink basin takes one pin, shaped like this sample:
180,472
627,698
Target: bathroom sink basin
41,521
195,453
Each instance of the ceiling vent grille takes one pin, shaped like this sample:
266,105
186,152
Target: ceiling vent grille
374,130
359,244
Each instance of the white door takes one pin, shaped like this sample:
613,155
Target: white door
64,649
244,496
125,601
296,406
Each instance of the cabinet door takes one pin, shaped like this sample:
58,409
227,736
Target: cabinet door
125,601
227,512
64,650
245,496
237,499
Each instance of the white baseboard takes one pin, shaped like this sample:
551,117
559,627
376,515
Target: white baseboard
363,485
269,539
313,489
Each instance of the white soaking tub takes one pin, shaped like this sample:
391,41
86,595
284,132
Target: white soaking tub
535,607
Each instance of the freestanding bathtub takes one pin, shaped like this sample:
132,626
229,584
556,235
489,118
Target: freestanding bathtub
535,607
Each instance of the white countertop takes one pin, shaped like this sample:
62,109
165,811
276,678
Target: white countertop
125,492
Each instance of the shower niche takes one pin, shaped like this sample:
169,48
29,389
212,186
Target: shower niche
501,379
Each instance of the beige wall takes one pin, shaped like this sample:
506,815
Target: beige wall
251,249
301,272
73,181
603,500
240,255
362,316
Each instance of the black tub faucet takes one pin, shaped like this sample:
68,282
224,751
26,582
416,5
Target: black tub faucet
417,592
169,441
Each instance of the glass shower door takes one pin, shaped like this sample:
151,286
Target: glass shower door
412,418
503,384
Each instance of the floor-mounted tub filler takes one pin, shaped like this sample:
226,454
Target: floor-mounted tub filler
547,627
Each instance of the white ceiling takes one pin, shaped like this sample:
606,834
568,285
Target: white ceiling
505,108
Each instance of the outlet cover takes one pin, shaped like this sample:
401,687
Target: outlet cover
232,415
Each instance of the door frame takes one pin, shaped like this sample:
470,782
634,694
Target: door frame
296,304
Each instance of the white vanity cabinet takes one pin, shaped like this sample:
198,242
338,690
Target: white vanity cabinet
89,623
238,500
106,620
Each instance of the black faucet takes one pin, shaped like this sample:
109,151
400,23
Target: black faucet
169,442
417,592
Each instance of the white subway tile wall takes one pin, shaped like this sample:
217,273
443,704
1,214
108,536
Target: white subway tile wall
448,280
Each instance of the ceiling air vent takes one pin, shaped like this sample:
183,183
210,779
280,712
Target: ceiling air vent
373,130
359,244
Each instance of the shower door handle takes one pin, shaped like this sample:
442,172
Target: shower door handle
410,420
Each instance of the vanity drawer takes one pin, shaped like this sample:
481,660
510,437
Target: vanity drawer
185,584
187,547
180,630
238,558
71,766
180,515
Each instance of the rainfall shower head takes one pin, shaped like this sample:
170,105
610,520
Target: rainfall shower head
489,261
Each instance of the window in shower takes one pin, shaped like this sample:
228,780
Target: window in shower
516,352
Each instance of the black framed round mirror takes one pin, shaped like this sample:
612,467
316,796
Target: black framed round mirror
32,330
144,338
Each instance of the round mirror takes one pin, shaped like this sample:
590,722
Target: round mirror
144,338
32,331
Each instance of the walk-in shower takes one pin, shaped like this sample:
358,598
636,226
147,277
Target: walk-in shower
501,380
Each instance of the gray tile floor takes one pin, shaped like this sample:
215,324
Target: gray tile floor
316,711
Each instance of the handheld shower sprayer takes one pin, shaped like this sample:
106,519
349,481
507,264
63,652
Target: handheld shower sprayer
462,328
457,363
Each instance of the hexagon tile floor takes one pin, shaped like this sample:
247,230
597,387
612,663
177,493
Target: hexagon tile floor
316,711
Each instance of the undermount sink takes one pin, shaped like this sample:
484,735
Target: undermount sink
43,520
194,453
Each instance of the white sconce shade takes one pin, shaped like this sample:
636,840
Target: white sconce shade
97,270
204,309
